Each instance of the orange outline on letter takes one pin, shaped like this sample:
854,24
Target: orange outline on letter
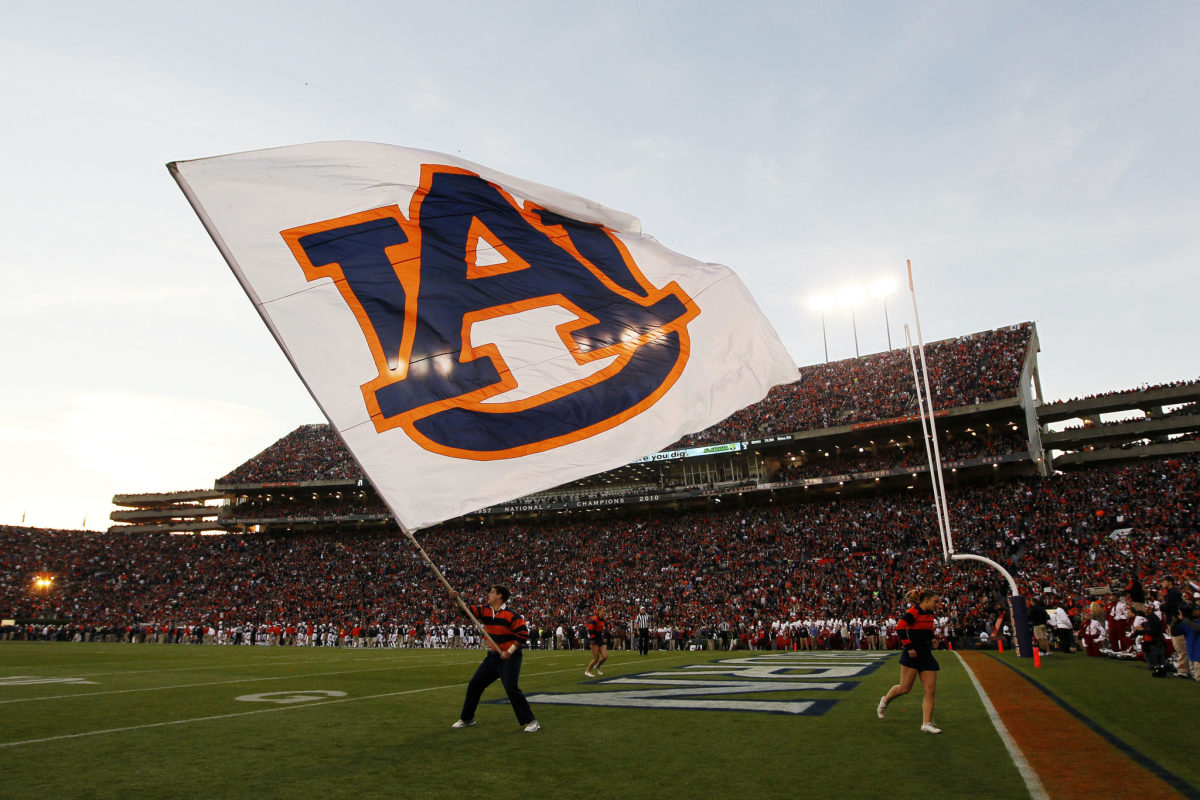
405,260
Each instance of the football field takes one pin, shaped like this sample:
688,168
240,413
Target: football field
179,721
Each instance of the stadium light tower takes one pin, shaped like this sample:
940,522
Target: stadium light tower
822,303
882,289
849,297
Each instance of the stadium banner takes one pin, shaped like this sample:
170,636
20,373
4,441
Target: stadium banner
476,337
787,437
884,423
691,452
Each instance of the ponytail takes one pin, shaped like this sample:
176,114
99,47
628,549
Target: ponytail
917,595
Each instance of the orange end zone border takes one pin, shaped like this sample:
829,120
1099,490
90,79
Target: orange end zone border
1073,756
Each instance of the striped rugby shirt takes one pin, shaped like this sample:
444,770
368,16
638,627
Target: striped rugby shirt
595,627
504,626
915,628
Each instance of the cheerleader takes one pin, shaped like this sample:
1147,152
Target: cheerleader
915,629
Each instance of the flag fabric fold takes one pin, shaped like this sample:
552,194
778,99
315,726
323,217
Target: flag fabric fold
472,336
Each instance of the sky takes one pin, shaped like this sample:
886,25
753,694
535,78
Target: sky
1035,161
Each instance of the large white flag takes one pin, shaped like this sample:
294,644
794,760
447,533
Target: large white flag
472,336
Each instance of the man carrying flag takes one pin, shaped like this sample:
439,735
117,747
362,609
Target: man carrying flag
507,634
474,337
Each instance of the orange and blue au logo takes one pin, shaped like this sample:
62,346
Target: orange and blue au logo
417,285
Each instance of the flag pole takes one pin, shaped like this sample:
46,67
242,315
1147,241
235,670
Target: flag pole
442,578
227,254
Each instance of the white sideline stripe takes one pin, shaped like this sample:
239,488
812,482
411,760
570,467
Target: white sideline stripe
1032,782
248,713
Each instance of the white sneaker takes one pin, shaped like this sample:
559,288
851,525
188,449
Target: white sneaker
533,727
589,673
599,671
462,724
881,709
928,727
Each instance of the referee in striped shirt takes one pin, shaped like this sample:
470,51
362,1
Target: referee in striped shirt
642,623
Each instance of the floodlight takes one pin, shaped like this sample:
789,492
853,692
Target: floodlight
821,302
884,287
850,296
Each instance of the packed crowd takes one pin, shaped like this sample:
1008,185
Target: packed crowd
854,460
779,634
279,505
1145,387
1157,624
968,370
293,503
1186,410
746,567
309,453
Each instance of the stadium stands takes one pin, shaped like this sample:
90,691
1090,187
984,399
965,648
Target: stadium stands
969,370
311,452
311,543
1144,388
848,559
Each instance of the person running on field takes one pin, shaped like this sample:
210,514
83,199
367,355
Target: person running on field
916,655
595,633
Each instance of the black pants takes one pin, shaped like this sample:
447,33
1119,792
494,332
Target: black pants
643,640
1156,654
1065,638
509,672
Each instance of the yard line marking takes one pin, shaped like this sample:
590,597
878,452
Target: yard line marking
251,713
242,665
437,663
1032,782
221,683
28,680
280,661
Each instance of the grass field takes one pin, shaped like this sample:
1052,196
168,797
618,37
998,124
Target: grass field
176,721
